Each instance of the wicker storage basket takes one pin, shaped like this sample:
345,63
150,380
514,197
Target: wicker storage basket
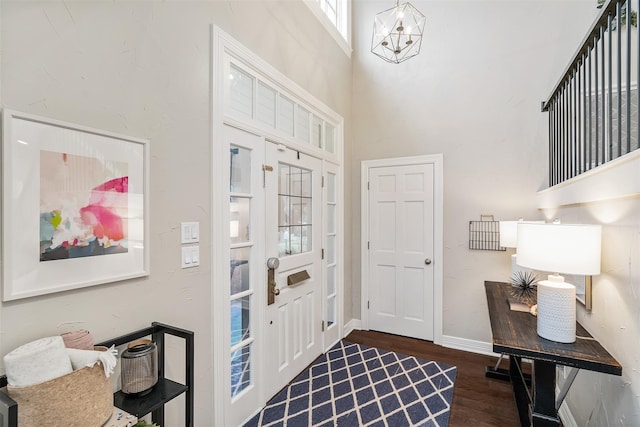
81,398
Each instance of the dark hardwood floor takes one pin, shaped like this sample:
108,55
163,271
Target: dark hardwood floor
477,401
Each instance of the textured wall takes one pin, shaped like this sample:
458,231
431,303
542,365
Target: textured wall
598,400
142,68
473,94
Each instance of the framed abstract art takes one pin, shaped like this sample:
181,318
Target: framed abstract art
74,206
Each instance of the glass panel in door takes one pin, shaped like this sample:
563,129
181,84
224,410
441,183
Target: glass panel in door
242,294
295,210
331,256
240,289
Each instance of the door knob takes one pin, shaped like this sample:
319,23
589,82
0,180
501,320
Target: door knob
427,261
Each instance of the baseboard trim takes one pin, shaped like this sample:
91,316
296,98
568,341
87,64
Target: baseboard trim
472,346
352,325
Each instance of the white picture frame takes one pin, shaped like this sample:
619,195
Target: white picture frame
74,206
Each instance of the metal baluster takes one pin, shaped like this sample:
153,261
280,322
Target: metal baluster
618,26
585,120
628,117
574,126
552,142
638,80
604,88
597,95
590,112
610,91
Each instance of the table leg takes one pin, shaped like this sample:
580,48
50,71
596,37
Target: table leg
520,390
543,412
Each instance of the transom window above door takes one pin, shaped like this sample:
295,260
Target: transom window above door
249,97
294,215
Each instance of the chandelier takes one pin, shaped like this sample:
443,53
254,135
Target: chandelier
397,33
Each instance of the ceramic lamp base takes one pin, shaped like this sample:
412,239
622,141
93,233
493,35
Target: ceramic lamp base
557,310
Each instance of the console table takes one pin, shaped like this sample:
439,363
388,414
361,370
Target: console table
515,334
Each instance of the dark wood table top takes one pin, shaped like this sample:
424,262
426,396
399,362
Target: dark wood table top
515,333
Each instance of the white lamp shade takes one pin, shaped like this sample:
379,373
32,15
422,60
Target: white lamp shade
508,234
560,248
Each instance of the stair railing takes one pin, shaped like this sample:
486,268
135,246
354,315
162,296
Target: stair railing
594,115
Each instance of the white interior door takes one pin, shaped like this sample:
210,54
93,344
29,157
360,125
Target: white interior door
401,250
293,237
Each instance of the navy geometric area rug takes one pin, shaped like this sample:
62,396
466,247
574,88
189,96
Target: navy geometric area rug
356,385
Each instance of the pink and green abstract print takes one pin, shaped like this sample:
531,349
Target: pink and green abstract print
83,206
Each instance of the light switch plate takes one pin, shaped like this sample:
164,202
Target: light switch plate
190,256
190,232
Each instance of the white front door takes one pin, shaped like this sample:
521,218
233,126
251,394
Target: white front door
401,250
294,238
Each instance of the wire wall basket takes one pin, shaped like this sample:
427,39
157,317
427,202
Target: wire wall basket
484,235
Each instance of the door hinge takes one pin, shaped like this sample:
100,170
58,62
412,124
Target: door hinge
368,185
322,253
368,245
323,326
265,169
322,182
368,305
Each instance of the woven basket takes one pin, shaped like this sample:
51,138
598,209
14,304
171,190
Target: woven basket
79,399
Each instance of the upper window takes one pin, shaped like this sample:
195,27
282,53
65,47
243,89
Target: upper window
335,16
330,8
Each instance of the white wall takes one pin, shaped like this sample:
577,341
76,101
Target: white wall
142,68
595,399
473,94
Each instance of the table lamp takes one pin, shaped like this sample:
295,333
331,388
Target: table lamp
509,239
559,248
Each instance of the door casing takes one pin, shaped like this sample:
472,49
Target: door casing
437,161
225,49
